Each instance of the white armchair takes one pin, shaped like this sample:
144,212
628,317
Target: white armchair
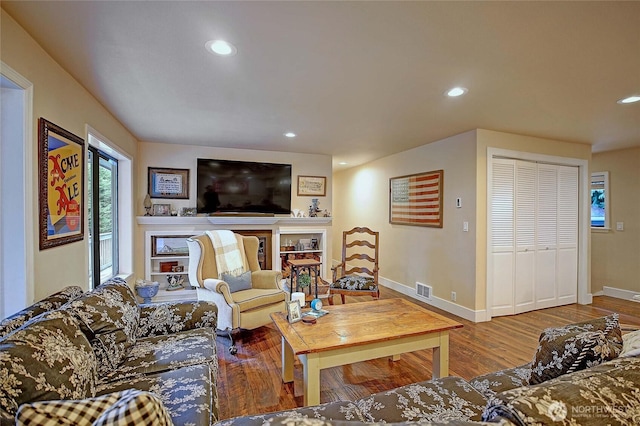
243,309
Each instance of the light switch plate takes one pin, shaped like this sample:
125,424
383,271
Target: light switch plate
619,226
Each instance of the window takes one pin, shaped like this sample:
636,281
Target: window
103,216
600,200
110,177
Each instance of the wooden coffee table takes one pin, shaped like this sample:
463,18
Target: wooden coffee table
362,331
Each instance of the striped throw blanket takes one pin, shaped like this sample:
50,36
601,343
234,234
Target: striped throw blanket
228,255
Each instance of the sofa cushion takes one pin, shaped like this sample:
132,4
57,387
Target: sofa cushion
109,316
47,304
48,358
631,344
604,394
331,411
130,407
237,283
257,298
492,383
170,352
171,317
188,394
436,400
574,347
293,421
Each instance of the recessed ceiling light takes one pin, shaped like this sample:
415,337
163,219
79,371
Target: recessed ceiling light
456,91
629,100
221,47
290,135
343,163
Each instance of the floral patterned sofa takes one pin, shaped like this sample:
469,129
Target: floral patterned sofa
100,358
582,374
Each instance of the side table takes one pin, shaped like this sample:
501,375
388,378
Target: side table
299,265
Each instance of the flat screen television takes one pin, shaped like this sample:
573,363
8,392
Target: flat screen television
225,186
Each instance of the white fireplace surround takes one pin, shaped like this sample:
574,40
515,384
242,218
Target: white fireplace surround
278,225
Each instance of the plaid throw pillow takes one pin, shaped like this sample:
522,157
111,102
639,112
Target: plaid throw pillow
574,347
130,407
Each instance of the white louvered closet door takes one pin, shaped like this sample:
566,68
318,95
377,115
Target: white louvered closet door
502,236
524,288
534,236
567,270
546,236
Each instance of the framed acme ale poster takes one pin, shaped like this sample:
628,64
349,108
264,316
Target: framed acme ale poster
416,199
61,185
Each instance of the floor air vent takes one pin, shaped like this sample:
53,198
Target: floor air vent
423,290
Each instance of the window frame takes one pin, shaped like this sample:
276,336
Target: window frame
597,177
98,158
125,254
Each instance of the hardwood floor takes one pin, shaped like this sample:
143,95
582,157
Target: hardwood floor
250,382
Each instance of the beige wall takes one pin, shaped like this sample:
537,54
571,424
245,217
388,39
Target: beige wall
59,98
448,259
529,144
441,257
615,255
185,157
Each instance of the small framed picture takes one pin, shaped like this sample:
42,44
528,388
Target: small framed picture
161,209
312,186
294,314
168,183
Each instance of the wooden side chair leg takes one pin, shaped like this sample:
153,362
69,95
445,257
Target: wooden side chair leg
343,299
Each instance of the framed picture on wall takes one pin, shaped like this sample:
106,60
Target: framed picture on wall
312,186
61,167
416,199
168,183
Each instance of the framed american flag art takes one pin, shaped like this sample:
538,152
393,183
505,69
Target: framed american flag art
416,199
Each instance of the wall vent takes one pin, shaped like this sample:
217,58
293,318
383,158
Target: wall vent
423,290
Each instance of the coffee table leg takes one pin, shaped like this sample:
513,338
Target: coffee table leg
311,374
287,362
441,357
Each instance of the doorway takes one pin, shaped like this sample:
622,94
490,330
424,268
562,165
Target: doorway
16,193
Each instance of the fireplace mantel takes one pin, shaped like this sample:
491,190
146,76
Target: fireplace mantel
232,220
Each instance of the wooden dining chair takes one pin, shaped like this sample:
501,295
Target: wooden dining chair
357,273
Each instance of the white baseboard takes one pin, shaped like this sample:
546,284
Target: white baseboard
619,293
436,302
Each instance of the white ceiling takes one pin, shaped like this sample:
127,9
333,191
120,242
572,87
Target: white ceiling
355,80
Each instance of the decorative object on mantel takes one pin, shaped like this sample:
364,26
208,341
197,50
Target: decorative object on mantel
168,183
313,208
175,282
297,213
312,186
147,205
61,185
161,209
189,211
147,289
